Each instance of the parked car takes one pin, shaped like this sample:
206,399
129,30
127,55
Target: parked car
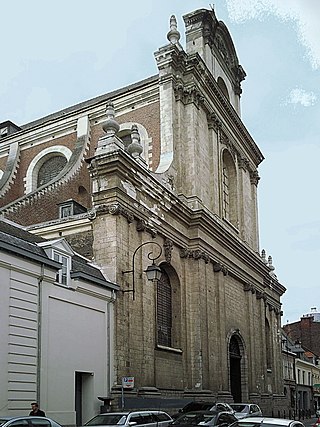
317,423
198,405
131,418
27,421
205,418
242,410
266,422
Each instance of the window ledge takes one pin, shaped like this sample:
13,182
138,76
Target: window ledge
170,349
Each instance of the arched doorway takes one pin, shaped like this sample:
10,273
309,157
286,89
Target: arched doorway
235,369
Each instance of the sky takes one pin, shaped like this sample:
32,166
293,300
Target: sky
55,54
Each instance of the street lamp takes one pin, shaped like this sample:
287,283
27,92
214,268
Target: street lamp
153,271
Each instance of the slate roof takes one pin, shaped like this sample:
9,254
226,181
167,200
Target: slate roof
16,240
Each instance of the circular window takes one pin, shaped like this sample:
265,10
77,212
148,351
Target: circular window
50,169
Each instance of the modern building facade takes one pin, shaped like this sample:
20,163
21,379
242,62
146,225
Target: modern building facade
306,330
56,328
164,171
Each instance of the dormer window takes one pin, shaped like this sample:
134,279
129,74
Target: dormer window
64,273
70,208
60,251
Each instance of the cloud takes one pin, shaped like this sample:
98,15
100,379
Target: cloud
304,13
301,96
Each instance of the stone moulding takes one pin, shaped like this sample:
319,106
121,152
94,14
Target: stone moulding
11,168
118,209
197,254
261,295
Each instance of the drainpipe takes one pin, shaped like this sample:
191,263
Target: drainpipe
110,341
40,280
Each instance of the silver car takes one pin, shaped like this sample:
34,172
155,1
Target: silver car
131,418
266,422
27,421
243,410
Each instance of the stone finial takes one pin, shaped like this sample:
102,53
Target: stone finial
135,148
173,35
263,256
110,126
270,262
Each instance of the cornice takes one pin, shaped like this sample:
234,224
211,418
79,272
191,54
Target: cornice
187,252
151,187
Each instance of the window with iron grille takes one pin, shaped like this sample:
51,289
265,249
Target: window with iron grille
164,311
225,189
50,169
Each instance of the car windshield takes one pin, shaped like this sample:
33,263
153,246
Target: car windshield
195,419
3,420
240,408
107,420
196,406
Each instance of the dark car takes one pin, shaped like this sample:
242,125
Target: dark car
198,405
205,418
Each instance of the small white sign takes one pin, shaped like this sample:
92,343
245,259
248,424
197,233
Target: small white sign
128,382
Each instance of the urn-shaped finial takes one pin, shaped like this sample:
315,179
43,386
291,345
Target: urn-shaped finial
110,126
264,257
270,265
135,148
173,35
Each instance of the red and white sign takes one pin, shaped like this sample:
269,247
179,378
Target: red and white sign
127,382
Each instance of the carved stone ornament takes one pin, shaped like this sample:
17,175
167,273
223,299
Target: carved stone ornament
115,209
247,287
141,225
254,177
243,163
195,254
168,246
214,122
188,95
217,267
271,308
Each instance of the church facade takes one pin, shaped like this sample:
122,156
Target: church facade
164,172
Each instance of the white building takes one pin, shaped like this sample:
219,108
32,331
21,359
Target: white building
56,328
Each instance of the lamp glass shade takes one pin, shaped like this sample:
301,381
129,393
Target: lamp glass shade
153,272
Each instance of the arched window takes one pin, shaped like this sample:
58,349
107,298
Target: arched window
45,166
225,193
223,87
164,311
235,368
229,189
50,169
